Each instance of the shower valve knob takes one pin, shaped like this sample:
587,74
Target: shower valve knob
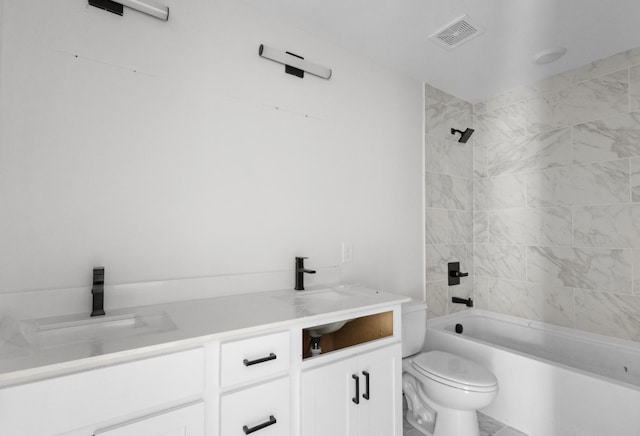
454,273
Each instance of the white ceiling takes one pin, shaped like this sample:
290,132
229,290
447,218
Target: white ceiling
396,33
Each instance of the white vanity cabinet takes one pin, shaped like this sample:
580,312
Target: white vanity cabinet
354,396
159,394
256,386
244,376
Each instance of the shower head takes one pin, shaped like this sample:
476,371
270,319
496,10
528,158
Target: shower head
464,135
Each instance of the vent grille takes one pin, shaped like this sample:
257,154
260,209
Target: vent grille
457,32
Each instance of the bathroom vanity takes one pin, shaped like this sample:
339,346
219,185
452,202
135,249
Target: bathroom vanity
224,366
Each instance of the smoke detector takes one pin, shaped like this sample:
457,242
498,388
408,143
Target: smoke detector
457,32
549,55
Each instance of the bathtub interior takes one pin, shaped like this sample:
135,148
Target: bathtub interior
600,356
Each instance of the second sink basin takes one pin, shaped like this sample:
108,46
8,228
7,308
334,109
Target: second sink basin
73,329
321,295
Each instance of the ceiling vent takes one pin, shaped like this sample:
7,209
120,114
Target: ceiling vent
456,33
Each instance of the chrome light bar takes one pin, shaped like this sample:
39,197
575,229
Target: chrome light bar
148,7
294,61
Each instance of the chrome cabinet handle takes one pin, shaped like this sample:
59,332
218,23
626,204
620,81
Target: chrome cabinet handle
356,399
366,385
271,421
271,356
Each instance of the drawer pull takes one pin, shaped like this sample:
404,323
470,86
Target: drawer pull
356,399
271,356
271,421
366,385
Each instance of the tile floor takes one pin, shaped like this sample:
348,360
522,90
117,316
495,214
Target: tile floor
488,427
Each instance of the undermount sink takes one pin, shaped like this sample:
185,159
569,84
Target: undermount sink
322,295
71,329
319,300
325,329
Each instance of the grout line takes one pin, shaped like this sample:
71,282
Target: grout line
574,307
630,183
573,227
633,272
527,104
573,146
629,87
526,263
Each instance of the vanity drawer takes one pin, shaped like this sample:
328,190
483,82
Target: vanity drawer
263,410
250,359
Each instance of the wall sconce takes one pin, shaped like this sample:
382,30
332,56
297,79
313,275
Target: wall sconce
145,6
294,64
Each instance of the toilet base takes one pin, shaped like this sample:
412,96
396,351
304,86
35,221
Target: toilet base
447,423
420,415
424,427
456,422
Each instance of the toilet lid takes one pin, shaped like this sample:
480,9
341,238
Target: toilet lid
454,370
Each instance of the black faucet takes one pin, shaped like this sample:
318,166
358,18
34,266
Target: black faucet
97,291
466,301
300,271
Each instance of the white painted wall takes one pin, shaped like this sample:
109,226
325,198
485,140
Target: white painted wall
171,150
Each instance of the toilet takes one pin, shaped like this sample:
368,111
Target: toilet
443,391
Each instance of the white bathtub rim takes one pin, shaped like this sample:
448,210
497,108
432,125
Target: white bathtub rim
539,325
438,323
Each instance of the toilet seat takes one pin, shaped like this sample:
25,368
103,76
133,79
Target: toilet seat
455,371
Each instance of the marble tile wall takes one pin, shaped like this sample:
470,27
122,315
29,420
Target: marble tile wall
556,201
449,215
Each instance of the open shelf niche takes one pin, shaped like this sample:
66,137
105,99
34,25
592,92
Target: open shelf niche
357,331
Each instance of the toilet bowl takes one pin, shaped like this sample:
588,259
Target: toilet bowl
443,391
446,391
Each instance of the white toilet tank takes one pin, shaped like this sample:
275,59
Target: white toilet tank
414,327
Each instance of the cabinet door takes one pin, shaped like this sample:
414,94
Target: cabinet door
327,407
380,413
185,421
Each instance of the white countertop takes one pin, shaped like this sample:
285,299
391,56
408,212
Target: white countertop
189,324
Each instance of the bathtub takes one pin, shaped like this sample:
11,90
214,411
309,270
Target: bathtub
553,381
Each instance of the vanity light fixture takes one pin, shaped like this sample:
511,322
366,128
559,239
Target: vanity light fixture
148,7
294,64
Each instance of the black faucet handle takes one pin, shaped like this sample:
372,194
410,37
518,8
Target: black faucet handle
97,291
459,274
98,275
454,273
